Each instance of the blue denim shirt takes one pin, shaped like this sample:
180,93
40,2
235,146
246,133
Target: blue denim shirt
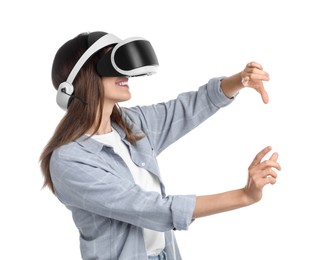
108,208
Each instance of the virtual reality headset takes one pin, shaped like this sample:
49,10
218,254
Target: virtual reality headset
131,57
128,58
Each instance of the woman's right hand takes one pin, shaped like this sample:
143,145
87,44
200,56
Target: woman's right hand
253,76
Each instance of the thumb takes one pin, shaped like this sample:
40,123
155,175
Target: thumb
264,94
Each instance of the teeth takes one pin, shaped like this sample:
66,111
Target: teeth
122,83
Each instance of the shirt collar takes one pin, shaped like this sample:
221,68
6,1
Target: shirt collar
94,146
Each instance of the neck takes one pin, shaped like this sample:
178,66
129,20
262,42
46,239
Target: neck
105,125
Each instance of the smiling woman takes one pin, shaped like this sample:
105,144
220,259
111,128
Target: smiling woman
101,161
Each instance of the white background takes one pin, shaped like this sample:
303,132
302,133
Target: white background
194,41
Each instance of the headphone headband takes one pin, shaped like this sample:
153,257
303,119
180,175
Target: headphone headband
104,41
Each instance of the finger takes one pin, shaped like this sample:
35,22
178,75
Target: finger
269,164
261,90
270,180
260,156
265,181
253,78
254,64
274,157
264,95
262,182
257,75
254,71
262,173
268,173
255,81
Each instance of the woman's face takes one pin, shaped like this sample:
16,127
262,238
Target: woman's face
116,89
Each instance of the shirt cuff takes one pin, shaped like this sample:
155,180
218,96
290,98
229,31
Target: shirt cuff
182,209
216,94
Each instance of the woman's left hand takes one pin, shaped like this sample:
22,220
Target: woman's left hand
253,76
261,173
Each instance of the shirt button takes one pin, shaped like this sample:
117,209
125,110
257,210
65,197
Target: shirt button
143,163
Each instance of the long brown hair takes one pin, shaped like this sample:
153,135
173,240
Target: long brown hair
79,117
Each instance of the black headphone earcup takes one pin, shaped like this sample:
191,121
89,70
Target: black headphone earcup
64,94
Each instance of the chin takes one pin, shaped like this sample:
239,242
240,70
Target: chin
123,99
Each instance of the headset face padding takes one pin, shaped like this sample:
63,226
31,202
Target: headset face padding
131,57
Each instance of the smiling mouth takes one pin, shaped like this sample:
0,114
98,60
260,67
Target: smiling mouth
123,83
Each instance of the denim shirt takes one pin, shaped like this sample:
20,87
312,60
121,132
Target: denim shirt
108,208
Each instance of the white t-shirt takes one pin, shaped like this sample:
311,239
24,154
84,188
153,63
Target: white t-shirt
154,240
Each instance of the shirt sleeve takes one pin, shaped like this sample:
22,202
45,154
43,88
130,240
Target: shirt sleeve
94,190
165,123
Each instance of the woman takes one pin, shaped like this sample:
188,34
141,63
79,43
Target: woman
101,161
